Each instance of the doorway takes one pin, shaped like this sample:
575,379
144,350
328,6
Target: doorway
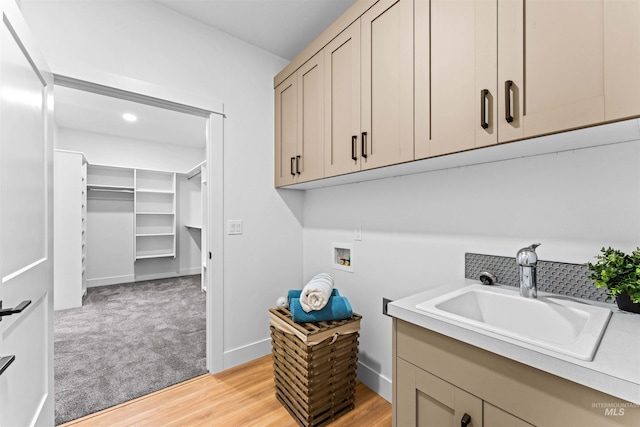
158,220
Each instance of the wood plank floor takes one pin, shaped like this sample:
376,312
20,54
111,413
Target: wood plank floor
241,396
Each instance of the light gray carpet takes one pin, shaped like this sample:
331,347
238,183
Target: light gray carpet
127,341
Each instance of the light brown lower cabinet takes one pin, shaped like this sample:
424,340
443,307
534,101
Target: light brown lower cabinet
426,400
494,416
442,382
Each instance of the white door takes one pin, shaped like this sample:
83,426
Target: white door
26,268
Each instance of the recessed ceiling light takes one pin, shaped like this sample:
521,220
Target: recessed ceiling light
130,117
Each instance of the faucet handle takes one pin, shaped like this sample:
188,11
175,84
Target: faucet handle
488,279
527,257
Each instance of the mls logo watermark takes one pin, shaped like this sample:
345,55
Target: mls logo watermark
613,412
614,409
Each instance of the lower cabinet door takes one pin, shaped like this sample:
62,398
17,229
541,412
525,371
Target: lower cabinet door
496,417
426,400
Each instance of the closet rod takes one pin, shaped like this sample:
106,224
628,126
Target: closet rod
194,174
111,190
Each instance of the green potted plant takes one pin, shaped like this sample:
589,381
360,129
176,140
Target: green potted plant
620,274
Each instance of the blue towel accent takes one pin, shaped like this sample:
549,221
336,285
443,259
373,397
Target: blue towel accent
337,308
295,293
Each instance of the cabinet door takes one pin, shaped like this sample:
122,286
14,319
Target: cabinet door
286,128
310,151
426,400
342,102
496,417
622,59
455,63
387,84
552,52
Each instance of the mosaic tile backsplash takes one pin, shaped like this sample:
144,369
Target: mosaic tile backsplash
555,277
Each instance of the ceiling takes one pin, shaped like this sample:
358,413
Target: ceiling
282,27
85,111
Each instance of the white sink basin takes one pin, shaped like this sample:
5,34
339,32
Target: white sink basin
552,322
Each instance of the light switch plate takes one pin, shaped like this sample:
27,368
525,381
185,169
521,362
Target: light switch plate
234,226
358,234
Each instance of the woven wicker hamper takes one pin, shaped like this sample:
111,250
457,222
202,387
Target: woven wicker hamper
314,366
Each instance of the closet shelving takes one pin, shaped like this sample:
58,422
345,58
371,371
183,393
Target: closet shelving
138,208
69,221
111,179
155,214
198,173
83,173
197,218
154,196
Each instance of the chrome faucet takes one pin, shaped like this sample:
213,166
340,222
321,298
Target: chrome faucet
527,260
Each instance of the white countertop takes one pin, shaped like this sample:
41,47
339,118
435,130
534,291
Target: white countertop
615,369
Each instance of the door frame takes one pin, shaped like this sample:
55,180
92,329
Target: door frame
213,110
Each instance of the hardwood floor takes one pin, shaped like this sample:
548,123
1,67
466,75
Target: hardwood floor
241,396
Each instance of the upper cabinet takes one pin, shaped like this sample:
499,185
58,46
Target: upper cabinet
493,71
386,113
369,91
455,75
299,124
550,66
342,102
566,64
621,59
410,79
286,129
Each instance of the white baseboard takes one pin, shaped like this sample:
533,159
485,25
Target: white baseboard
369,377
167,275
113,280
116,280
375,381
247,353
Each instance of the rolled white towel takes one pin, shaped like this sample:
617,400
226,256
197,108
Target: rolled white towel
317,292
282,302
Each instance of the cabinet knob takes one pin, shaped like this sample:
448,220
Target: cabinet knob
466,419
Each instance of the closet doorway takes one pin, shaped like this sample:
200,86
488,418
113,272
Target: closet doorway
138,226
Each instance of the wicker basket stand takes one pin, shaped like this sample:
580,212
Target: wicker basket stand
314,366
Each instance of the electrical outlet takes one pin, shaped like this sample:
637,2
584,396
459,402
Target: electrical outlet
234,227
358,233
385,302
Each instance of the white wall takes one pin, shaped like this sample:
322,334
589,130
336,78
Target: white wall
145,41
416,229
130,153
